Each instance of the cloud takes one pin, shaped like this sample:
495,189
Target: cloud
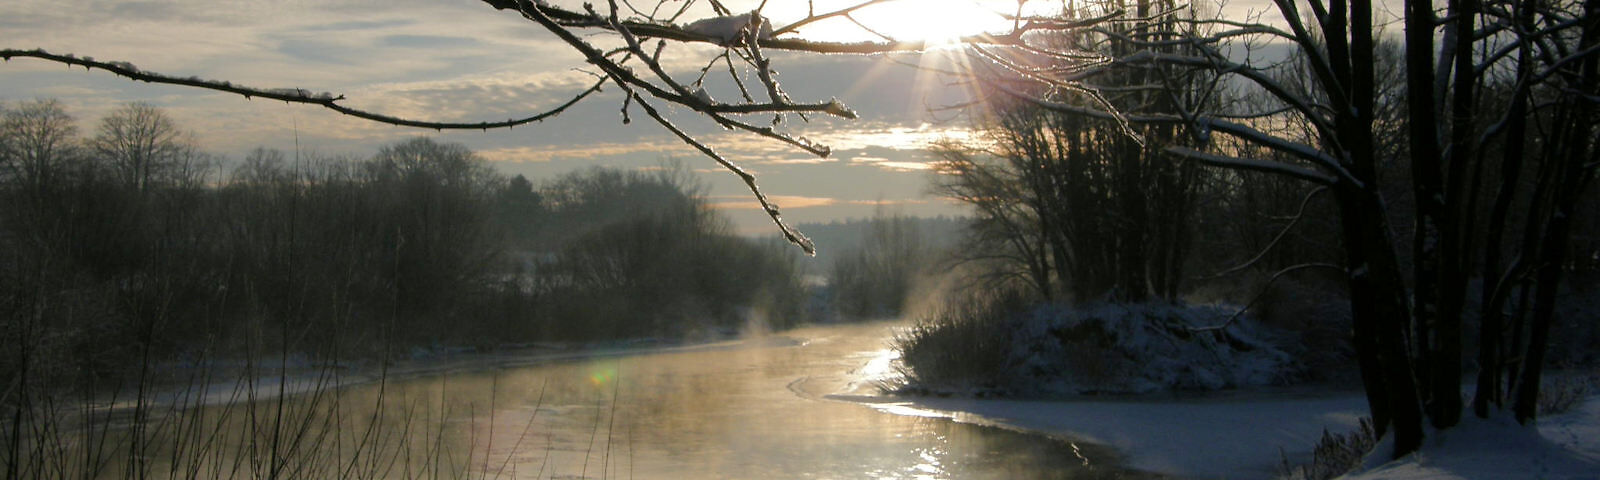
748,202
794,161
463,61
892,165
429,41
545,153
795,202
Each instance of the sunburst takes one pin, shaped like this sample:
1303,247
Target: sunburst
935,21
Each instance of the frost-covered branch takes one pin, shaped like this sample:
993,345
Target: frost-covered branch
1253,164
1203,127
290,95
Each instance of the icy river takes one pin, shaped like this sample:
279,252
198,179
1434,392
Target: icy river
773,407
753,409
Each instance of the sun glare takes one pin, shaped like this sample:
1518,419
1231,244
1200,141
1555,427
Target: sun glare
935,21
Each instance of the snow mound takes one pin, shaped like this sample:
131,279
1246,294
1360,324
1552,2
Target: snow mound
1498,448
1144,348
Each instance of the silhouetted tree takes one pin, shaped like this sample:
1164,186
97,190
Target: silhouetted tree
144,147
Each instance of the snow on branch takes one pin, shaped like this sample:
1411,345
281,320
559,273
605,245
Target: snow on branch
290,95
1254,164
1203,127
1270,85
713,31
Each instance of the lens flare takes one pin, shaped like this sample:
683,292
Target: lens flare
602,376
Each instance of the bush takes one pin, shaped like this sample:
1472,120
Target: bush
966,345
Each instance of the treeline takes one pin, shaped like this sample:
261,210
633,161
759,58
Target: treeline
131,246
881,267
1327,198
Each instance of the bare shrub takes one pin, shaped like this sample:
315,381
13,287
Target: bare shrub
1335,454
965,345
1560,394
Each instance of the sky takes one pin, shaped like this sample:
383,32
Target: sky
461,60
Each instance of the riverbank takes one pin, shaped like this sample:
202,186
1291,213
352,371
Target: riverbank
1252,435
1191,438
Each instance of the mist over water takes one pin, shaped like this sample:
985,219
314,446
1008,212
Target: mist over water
763,407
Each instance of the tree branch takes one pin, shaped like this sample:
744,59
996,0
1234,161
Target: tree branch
1240,163
289,95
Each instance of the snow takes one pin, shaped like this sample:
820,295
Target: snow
1197,438
1110,348
703,96
300,92
1251,435
728,28
1565,446
1247,432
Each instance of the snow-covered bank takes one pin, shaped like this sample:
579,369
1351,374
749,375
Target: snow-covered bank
1564,446
1249,437
1204,438
1002,348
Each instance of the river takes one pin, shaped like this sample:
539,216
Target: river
761,408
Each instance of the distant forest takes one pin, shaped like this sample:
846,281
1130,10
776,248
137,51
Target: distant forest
129,246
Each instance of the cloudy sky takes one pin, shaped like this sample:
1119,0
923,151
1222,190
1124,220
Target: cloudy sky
460,60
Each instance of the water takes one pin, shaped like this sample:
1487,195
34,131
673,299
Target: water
755,409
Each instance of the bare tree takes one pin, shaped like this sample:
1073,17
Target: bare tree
37,139
1408,328
1404,331
144,147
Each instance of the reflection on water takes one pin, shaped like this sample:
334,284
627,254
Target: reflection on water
755,410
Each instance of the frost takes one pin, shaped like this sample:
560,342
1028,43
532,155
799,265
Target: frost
700,94
729,28
299,92
125,66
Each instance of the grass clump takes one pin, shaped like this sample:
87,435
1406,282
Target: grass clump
1334,455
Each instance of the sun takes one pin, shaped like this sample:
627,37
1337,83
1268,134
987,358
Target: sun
936,21
932,21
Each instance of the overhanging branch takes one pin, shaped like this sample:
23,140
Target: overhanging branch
290,95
